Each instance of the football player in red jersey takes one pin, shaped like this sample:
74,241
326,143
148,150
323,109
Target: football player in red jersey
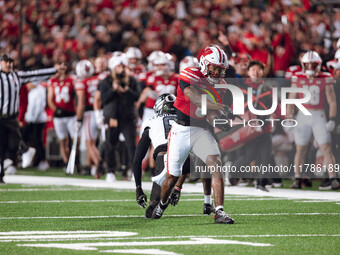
320,85
190,133
161,81
148,76
164,81
290,72
61,100
86,89
331,65
134,56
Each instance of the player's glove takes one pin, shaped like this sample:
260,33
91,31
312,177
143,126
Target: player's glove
99,118
77,126
141,197
175,195
330,125
229,113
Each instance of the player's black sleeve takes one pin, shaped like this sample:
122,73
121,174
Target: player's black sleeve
141,150
183,84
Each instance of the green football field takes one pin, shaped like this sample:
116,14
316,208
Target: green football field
40,219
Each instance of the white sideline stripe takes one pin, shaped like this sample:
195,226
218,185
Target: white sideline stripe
67,201
50,189
131,200
55,232
86,236
142,216
315,201
188,188
141,251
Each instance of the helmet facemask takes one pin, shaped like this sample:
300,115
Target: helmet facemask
215,73
311,69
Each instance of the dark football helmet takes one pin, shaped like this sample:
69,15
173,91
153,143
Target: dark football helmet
165,104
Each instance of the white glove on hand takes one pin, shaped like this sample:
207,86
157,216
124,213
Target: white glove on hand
330,125
99,118
77,126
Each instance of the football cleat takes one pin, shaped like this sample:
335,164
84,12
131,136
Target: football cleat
208,208
151,207
296,184
326,184
157,212
306,182
335,184
222,218
261,188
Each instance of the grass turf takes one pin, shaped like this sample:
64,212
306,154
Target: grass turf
319,233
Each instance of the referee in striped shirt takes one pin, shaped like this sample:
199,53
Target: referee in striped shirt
10,84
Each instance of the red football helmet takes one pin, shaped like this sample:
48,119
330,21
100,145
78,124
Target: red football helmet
213,64
311,63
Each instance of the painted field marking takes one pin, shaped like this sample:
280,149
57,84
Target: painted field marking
63,235
142,216
92,246
316,201
34,236
48,189
132,200
142,251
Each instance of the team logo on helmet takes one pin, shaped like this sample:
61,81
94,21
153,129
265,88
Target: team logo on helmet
165,104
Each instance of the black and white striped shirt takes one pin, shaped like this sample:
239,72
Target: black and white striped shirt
10,84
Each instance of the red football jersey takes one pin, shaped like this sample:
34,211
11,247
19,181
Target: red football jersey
161,85
64,96
137,71
89,86
330,66
146,77
316,86
292,70
194,77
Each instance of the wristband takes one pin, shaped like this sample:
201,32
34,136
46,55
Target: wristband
178,188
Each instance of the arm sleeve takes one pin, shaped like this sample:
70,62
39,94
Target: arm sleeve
183,84
142,148
36,75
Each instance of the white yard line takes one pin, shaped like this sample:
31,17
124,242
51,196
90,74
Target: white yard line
33,236
187,188
183,215
133,200
141,251
193,241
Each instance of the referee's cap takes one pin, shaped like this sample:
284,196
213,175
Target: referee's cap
6,58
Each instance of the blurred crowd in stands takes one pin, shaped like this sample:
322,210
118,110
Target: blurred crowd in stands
86,29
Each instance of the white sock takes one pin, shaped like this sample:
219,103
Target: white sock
219,208
207,199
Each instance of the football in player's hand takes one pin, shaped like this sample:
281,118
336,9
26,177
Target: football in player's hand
213,114
221,123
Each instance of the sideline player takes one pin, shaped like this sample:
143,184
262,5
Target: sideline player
320,84
61,100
